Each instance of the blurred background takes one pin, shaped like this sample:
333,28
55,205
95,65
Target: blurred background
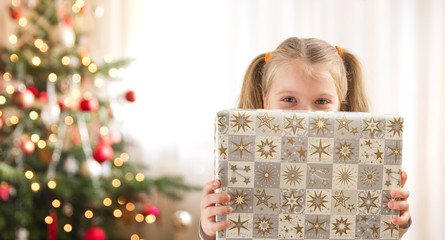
189,61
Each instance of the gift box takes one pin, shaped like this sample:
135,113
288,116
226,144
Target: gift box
308,175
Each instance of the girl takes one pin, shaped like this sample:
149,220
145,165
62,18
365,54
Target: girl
301,74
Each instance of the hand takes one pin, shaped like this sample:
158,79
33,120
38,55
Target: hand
402,204
209,210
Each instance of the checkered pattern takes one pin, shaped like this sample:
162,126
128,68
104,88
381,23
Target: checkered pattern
308,175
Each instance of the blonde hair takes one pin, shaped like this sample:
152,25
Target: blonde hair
345,70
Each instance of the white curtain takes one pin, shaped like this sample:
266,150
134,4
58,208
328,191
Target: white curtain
192,56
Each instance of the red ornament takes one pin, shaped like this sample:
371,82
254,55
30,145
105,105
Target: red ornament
89,104
1,123
16,15
4,191
24,99
130,96
34,91
95,233
27,146
151,210
68,21
43,96
52,227
103,152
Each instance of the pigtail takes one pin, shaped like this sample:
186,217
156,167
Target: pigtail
356,100
252,91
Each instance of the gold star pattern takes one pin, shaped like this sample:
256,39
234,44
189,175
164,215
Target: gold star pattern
316,226
320,149
293,175
340,199
220,119
345,150
378,154
241,147
263,225
369,176
396,152
291,201
266,148
317,201
320,124
266,174
372,126
301,152
368,202
390,226
344,176
354,131
294,123
263,198
375,229
222,150
396,126
265,120
239,224
343,123
246,168
291,141
341,226
239,199
299,228
241,121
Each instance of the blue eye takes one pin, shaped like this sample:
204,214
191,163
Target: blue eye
289,99
321,101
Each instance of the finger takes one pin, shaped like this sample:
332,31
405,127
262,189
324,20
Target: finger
404,177
210,228
402,219
400,193
210,212
398,205
214,198
210,187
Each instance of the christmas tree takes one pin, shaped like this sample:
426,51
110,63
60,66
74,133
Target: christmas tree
64,169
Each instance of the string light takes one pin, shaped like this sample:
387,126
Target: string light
23,22
49,220
116,183
68,228
69,120
77,78
35,137
108,58
118,162
140,177
89,214
2,100
121,200
15,3
14,120
139,217
112,72
80,3
92,68
10,89
104,130
75,8
134,237
130,206
33,115
125,157
35,187
150,218
98,82
86,61
44,47
66,60
52,77
52,184
29,174
36,61
117,213
107,202
41,144
38,43
7,76
52,138
56,203
14,57
13,39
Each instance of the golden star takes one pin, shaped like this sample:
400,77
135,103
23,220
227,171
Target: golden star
317,226
239,224
368,202
241,121
390,226
301,152
344,123
320,149
299,228
294,123
263,198
396,151
372,126
396,126
378,154
241,147
317,201
320,124
375,229
222,150
292,201
265,120
291,141
340,199
266,148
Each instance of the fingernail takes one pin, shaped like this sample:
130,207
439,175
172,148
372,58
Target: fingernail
226,223
390,205
229,209
227,197
215,183
393,194
395,220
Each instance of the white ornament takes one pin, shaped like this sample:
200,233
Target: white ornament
91,168
71,165
99,11
50,114
68,36
22,234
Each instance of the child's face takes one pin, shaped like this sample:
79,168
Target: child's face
295,88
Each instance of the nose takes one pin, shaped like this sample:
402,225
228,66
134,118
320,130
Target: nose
305,106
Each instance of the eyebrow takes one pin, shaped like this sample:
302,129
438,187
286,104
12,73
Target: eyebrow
322,94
